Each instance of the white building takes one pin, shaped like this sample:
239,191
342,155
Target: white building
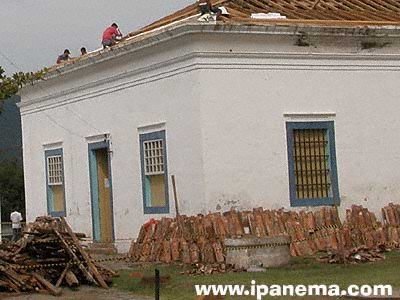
300,110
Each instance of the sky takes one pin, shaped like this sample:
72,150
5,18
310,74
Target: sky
34,32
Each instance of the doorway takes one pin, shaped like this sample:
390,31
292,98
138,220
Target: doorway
101,192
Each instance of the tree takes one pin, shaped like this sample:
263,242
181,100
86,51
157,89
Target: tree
10,85
12,195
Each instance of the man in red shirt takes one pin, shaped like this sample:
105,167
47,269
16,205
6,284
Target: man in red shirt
110,35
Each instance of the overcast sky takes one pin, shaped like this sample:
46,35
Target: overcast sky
34,32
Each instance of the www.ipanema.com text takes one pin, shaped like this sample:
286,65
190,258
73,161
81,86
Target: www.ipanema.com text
259,291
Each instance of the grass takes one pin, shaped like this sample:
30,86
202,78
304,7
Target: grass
300,271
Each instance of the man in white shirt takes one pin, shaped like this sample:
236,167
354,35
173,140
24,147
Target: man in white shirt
16,219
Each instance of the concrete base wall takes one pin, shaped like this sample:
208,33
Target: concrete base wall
250,252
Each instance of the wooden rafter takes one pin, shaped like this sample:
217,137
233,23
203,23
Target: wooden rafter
346,11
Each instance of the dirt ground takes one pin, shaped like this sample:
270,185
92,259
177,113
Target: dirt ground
84,293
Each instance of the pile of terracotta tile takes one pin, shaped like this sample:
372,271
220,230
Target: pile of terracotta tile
199,239
361,227
355,255
48,256
391,217
313,231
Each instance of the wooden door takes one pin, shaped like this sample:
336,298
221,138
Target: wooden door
104,185
101,193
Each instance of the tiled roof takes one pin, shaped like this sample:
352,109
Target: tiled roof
315,13
321,12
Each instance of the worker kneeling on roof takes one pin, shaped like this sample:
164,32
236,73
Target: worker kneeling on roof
111,35
63,57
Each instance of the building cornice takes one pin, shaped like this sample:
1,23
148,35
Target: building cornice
215,60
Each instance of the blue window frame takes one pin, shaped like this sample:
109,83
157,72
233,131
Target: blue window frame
154,169
55,187
313,179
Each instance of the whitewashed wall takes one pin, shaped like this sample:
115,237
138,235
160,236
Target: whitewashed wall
223,99
167,100
251,94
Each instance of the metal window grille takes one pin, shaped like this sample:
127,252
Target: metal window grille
154,157
311,163
55,170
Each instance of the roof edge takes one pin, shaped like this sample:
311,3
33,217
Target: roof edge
274,28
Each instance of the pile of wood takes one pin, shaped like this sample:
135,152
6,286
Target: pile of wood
199,239
356,255
48,256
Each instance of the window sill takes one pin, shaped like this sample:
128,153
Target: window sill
315,202
156,210
58,214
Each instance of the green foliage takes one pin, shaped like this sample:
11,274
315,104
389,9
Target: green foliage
12,194
10,85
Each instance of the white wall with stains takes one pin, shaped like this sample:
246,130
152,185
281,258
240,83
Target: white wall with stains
224,100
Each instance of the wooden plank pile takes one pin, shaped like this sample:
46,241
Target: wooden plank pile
48,256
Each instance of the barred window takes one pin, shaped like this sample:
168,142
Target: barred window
55,183
154,157
54,170
153,154
312,163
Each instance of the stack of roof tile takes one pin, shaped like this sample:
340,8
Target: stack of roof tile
391,217
362,228
200,239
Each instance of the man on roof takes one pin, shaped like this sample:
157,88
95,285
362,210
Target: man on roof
83,51
206,7
63,57
111,35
